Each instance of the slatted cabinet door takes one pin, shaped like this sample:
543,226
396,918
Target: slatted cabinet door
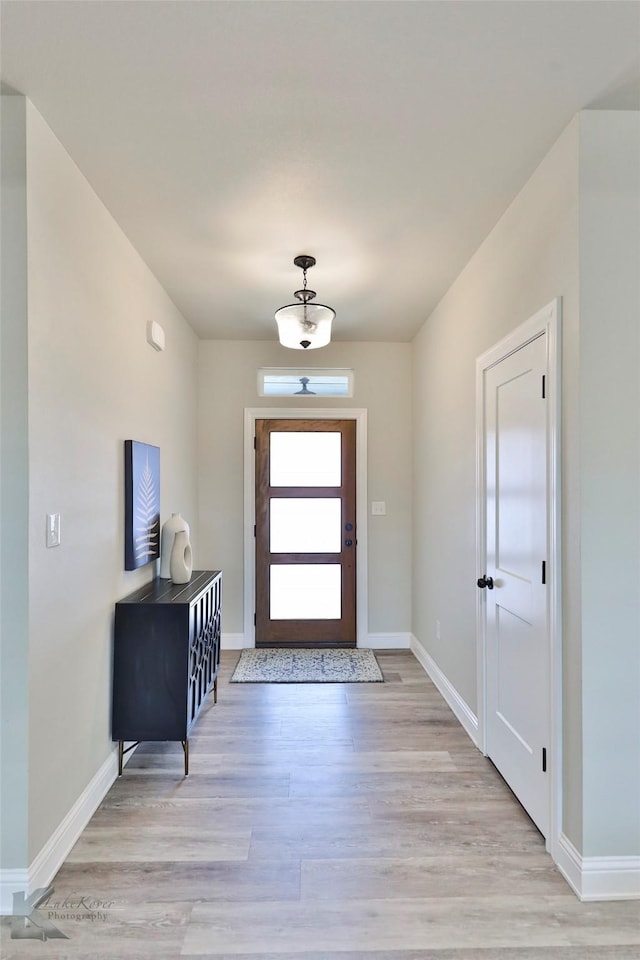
204,648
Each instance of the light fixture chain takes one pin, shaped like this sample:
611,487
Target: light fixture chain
311,322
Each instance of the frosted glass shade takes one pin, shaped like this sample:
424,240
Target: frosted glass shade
304,326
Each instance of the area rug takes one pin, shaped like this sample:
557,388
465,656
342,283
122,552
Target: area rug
307,666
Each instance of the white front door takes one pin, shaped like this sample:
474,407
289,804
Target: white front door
517,619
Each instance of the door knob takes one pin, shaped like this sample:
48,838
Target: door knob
348,543
485,582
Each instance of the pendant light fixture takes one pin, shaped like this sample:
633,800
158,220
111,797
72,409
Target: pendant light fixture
304,325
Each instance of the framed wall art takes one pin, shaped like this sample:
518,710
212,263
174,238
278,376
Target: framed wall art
141,504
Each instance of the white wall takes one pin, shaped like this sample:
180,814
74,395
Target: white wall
228,383
571,232
14,493
528,259
610,478
93,382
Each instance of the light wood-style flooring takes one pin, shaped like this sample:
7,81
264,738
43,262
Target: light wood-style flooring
353,822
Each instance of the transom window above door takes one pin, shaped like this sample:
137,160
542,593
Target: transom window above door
307,382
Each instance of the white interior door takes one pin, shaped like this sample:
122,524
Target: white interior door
517,619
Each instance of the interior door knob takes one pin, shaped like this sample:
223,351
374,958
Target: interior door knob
485,582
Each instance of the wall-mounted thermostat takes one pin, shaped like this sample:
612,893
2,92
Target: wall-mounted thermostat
155,335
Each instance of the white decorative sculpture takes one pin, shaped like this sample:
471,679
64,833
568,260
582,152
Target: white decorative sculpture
173,525
181,558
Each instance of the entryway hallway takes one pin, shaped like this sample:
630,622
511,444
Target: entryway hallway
355,821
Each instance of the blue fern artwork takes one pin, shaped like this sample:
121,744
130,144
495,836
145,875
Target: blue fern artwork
142,504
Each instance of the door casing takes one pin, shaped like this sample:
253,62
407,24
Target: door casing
251,414
341,629
548,321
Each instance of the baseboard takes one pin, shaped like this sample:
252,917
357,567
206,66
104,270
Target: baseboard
234,641
11,881
57,848
389,641
461,709
599,878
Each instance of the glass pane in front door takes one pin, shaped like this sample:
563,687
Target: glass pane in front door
309,591
305,525
305,459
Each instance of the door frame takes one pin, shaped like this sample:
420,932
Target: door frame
547,321
251,414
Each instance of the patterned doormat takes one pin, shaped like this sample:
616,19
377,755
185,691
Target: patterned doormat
307,666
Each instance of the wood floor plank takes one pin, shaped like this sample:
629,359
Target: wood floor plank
121,931
324,761
480,873
421,737
182,881
336,926
307,783
205,785
154,842
234,812
481,811
324,822
355,842
217,740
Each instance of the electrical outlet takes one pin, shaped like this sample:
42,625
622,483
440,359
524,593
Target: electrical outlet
378,508
53,529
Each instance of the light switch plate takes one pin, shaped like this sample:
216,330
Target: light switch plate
378,508
53,529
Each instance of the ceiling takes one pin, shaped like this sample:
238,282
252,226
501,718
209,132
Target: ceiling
384,138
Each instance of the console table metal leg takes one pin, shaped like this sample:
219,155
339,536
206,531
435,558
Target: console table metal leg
215,690
120,756
185,747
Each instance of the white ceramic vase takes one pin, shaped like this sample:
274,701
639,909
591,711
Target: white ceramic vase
173,525
181,558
